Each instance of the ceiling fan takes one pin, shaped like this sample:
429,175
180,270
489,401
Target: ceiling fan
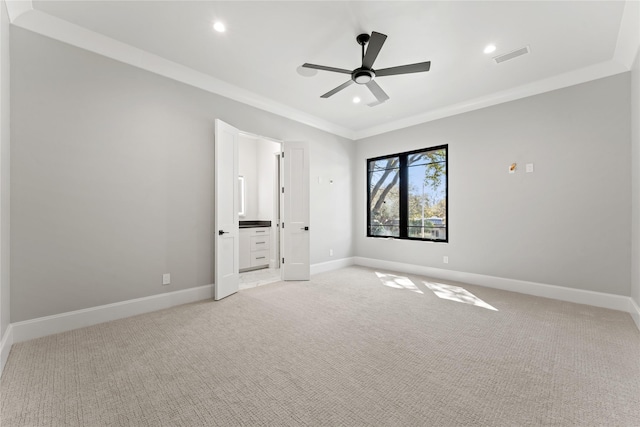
365,75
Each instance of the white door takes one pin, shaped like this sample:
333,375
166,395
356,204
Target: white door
295,212
226,281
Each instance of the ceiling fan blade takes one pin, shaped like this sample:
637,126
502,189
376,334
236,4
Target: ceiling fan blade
377,91
373,49
404,69
338,89
322,67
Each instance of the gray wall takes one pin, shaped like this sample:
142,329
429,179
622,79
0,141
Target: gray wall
566,224
112,170
5,290
112,179
635,186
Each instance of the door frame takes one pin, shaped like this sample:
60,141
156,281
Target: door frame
277,208
276,230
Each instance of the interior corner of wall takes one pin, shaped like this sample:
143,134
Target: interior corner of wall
17,8
628,41
6,341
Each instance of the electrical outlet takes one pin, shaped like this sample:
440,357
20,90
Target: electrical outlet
445,259
166,279
330,252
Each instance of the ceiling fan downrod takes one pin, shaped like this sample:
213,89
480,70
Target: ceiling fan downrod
363,75
362,40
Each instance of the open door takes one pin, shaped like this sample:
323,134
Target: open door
227,280
295,211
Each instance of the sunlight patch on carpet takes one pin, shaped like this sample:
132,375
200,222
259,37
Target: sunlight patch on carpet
398,282
456,293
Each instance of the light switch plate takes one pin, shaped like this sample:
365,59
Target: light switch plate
529,167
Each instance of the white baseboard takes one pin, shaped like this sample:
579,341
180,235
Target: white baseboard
43,326
5,347
579,296
634,311
331,265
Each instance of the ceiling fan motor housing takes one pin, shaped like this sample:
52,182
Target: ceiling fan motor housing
362,75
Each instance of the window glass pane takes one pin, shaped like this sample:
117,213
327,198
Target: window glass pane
384,194
384,164
427,199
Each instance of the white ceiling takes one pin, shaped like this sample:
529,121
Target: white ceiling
266,41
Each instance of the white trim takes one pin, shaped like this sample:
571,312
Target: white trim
629,35
331,265
256,136
43,326
634,311
58,29
5,347
582,75
16,8
75,35
579,296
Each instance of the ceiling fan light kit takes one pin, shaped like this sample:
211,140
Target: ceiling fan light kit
362,76
365,74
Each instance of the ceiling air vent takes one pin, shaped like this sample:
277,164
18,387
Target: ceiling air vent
511,55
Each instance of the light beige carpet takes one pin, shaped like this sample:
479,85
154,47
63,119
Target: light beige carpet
349,348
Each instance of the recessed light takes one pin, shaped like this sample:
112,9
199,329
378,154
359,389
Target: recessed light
219,27
356,100
490,48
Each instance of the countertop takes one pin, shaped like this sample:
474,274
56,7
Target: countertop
253,224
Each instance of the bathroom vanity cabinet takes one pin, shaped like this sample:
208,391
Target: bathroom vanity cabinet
255,243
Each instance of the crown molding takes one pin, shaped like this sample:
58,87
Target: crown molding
75,35
629,35
23,15
592,72
15,8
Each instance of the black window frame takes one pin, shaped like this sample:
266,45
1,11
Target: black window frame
404,194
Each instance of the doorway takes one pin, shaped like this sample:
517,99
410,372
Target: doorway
292,224
259,216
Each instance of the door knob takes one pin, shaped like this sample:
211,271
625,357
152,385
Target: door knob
220,232
305,228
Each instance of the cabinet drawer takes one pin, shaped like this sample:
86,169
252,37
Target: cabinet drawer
259,243
262,231
259,258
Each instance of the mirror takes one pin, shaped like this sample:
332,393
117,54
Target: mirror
241,195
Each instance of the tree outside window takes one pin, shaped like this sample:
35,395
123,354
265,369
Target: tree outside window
407,195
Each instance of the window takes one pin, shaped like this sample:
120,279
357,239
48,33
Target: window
407,195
